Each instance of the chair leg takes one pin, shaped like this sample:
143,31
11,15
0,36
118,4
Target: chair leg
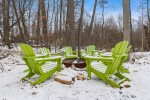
112,83
26,70
124,70
42,78
121,76
59,66
38,81
89,74
29,75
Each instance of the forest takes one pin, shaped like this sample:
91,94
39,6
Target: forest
60,22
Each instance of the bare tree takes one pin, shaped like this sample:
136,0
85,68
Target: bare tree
60,26
103,35
80,28
44,21
70,24
6,29
38,31
18,21
22,15
92,19
126,20
148,13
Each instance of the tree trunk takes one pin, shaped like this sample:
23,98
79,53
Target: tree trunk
5,10
92,20
89,31
80,28
70,24
148,15
38,31
126,20
44,22
21,9
60,26
18,21
103,37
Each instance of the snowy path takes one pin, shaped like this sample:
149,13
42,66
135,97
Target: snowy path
12,89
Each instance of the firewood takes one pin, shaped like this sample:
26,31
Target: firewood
64,79
80,77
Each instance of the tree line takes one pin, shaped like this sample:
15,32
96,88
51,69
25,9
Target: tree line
57,23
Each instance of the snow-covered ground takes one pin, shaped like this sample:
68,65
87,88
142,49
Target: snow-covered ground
11,88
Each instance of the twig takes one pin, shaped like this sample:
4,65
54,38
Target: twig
2,68
4,56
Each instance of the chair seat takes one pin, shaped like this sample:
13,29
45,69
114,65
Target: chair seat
48,66
99,66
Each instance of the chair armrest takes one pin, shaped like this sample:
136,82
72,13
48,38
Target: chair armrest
64,53
93,52
123,55
48,59
81,52
106,55
75,52
56,54
100,53
41,56
103,59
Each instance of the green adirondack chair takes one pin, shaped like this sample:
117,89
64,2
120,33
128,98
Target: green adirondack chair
44,67
69,53
108,68
121,48
28,51
90,50
46,51
122,69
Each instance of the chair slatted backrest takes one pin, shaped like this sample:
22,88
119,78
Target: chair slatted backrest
115,65
27,50
30,50
48,52
89,49
119,49
45,51
128,49
68,50
112,50
23,48
125,58
34,67
28,57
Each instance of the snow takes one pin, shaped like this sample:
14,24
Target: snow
11,88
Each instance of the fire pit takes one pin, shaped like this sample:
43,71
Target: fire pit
78,63
68,62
